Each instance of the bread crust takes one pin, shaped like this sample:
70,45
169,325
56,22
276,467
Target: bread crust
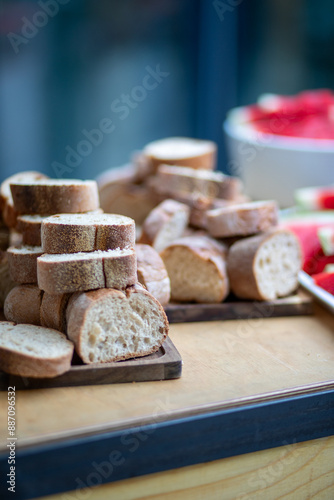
6,282
54,196
53,311
22,262
152,273
241,265
79,308
22,305
25,365
242,219
30,228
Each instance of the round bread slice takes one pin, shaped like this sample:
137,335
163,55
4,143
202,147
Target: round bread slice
22,305
266,266
182,151
196,266
242,219
22,262
152,273
54,196
34,351
72,233
67,273
110,325
9,213
165,224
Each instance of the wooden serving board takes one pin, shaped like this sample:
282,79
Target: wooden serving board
295,305
164,364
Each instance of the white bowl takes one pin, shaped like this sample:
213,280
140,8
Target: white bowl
273,166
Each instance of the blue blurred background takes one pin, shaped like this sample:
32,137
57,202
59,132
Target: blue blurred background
71,68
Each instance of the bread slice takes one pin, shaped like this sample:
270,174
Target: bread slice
183,151
34,351
22,261
67,273
111,325
54,196
72,233
23,303
196,266
9,213
242,219
6,282
265,266
53,311
165,224
152,273
174,179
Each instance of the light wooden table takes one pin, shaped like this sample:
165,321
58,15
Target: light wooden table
251,417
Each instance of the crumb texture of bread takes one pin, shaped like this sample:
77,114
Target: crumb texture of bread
54,196
34,351
166,223
196,266
111,325
242,219
266,266
22,305
72,233
183,151
67,273
152,273
22,262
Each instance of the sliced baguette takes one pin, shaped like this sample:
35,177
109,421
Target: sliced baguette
34,351
6,282
67,273
165,224
22,305
22,262
111,325
72,233
196,266
152,273
53,311
183,151
9,213
265,266
54,196
242,219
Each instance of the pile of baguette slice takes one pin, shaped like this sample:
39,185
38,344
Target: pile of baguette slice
212,239
74,281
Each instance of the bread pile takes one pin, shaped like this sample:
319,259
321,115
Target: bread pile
76,282
211,238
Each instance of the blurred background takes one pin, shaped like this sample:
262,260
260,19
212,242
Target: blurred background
85,83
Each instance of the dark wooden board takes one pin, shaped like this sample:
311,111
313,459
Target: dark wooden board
164,364
233,308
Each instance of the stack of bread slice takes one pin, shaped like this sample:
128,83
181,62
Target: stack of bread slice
210,236
76,275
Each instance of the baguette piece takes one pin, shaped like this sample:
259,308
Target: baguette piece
9,213
183,151
6,282
22,261
34,351
152,273
67,273
72,233
111,325
265,266
242,219
22,305
54,196
53,311
175,179
196,266
165,224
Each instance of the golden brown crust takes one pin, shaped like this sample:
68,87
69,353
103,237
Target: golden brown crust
53,311
22,262
22,305
152,273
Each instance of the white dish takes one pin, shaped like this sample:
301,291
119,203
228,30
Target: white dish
326,299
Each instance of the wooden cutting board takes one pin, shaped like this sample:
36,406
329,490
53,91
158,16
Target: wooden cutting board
164,364
233,308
